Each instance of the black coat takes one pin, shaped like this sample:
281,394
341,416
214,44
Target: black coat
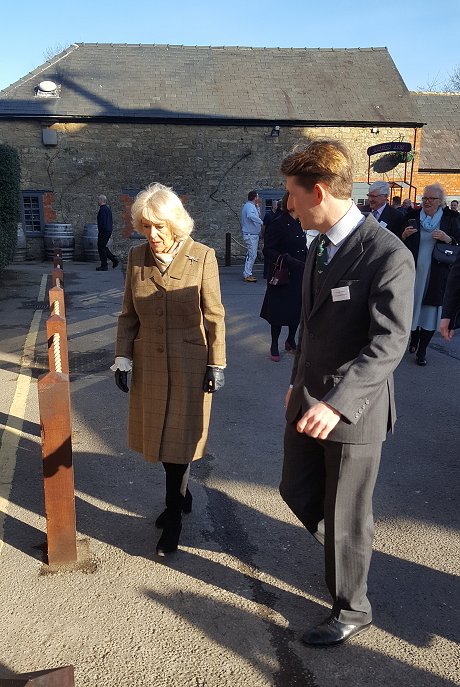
451,304
282,304
393,219
450,224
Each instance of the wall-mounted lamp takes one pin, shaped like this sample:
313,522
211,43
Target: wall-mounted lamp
375,130
275,132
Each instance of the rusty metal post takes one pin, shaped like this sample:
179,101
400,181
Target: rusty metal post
55,677
55,421
58,352
57,277
57,303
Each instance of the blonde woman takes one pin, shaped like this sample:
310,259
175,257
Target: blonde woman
171,334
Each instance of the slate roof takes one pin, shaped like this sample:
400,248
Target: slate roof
440,150
222,84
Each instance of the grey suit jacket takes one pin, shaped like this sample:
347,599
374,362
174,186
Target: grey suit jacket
348,349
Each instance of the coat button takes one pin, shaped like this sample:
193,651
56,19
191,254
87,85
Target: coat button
159,311
160,349
159,294
308,363
356,415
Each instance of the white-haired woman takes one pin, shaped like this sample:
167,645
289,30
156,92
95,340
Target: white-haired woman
171,333
434,223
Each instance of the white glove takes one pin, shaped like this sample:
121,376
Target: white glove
122,364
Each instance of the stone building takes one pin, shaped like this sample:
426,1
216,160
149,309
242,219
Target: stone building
440,151
211,122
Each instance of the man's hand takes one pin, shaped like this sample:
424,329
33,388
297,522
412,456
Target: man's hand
445,331
319,421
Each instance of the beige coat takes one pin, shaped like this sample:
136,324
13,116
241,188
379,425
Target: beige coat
171,326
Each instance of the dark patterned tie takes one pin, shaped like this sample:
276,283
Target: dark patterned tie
321,254
376,214
321,261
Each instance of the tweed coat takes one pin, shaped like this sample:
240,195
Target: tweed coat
172,327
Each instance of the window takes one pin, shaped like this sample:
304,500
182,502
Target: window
32,212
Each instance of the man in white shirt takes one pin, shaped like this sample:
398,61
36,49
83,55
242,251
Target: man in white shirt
355,321
251,225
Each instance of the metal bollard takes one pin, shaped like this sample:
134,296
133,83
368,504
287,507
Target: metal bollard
55,677
228,249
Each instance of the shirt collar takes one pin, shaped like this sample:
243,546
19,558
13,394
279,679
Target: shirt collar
346,224
380,210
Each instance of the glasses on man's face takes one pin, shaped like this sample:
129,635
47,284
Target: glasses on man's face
375,195
430,198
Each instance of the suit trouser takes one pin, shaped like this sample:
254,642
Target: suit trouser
104,253
329,487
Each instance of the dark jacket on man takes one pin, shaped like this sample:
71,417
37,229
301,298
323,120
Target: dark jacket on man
451,303
104,219
348,349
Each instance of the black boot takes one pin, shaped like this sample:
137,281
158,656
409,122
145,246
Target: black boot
186,508
174,505
169,539
414,340
425,338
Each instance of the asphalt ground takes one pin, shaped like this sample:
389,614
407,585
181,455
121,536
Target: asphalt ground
229,607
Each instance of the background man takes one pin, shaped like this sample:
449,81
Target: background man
386,216
451,305
454,205
356,316
104,228
396,202
250,225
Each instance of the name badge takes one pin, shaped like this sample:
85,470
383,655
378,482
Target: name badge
341,293
383,224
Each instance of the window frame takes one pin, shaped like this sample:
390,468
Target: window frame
38,195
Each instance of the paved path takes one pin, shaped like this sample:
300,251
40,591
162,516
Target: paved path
228,608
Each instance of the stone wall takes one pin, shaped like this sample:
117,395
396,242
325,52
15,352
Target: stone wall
212,167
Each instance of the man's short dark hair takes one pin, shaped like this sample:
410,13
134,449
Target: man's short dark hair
252,195
321,160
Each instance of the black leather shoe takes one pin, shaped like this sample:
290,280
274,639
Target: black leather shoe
115,263
332,632
102,268
169,540
162,519
421,361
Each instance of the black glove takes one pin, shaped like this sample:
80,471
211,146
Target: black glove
121,380
214,379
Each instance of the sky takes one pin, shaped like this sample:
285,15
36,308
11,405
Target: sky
422,36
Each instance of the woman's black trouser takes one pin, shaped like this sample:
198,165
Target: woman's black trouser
176,486
276,331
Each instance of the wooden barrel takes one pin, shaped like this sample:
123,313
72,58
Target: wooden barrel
89,238
21,246
59,236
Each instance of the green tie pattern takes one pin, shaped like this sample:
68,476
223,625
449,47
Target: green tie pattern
321,253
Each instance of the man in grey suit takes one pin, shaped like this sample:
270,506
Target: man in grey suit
386,215
356,316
